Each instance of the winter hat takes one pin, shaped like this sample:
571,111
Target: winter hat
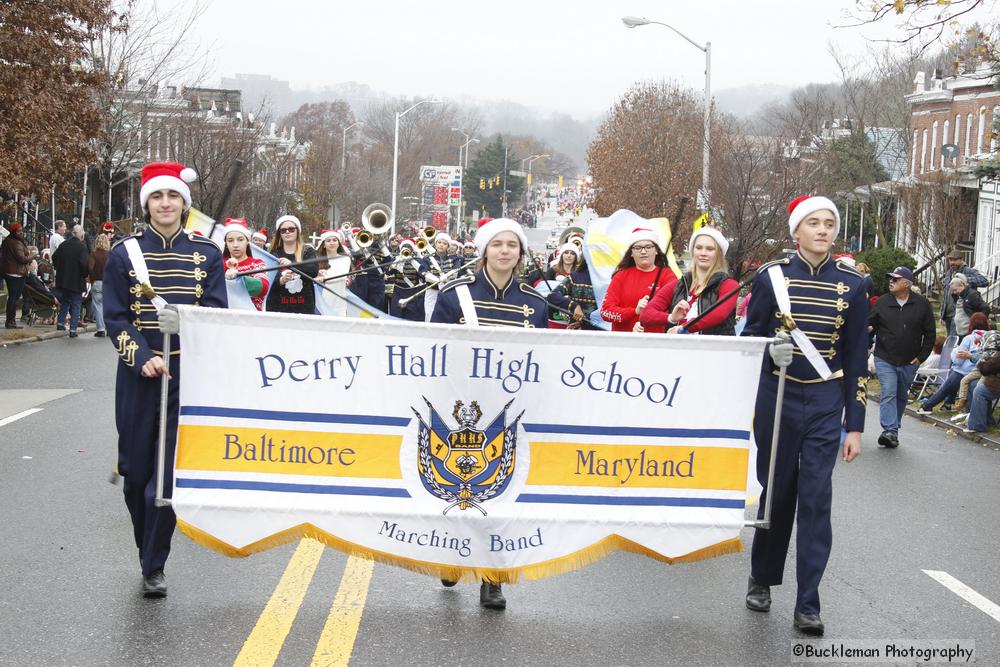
799,209
565,247
108,226
329,234
166,176
644,234
259,235
492,227
236,225
468,244
288,218
442,235
13,228
716,235
846,258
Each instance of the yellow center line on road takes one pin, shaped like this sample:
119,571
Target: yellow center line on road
336,642
268,636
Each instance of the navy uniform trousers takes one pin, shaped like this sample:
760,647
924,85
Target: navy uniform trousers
808,446
138,435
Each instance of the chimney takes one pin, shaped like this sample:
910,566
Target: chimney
918,82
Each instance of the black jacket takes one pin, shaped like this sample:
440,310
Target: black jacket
70,262
902,333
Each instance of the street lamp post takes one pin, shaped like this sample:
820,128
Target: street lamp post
343,147
461,192
530,162
395,154
635,21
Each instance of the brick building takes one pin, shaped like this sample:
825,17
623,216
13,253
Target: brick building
952,130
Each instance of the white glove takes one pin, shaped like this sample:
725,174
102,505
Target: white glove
169,320
431,278
781,352
294,286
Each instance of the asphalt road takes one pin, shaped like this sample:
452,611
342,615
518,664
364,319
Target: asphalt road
69,580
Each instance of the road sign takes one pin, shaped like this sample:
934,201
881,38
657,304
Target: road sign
515,172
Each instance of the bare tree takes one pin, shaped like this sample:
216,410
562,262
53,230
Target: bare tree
150,49
646,154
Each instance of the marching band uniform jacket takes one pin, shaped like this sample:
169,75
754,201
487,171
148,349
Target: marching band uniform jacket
406,282
370,287
182,270
514,305
574,291
829,305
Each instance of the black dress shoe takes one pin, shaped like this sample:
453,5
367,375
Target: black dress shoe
155,585
72,334
758,596
808,624
883,440
491,596
448,583
60,327
892,441
100,334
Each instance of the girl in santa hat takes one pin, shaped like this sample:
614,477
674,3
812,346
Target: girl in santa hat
236,258
331,271
698,289
641,273
293,293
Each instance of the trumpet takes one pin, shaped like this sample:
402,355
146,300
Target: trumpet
406,253
377,219
422,244
364,238
429,232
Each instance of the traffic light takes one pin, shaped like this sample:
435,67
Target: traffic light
560,182
529,178
482,183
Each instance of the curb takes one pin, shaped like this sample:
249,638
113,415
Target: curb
981,438
49,335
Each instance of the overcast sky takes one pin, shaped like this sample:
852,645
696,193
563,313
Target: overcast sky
556,55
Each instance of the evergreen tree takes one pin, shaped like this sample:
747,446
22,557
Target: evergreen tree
484,180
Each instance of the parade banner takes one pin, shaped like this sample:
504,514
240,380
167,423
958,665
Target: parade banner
605,244
460,452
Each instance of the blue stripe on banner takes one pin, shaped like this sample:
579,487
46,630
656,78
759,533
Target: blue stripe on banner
638,431
562,498
241,485
278,415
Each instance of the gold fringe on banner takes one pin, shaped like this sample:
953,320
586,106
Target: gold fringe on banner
549,568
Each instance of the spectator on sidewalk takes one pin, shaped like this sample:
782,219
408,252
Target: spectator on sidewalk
58,236
974,279
14,263
70,261
966,302
963,361
987,390
95,269
903,324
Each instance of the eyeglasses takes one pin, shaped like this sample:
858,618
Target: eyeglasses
643,248
286,230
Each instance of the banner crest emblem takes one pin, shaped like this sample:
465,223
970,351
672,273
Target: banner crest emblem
466,466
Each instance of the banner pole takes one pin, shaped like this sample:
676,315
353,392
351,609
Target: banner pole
161,445
765,521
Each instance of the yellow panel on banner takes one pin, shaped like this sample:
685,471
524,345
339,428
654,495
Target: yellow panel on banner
249,449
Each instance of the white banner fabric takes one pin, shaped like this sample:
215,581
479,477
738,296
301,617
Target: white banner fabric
461,452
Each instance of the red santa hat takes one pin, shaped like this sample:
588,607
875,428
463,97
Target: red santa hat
108,226
490,227
238,225
800,208
14,227
846,258
569,246
442,235
644,234
288,218
259,235
408,242
469,244
329,234
716,235
166,176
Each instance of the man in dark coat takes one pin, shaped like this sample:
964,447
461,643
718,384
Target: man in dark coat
14,263
903,324
70,263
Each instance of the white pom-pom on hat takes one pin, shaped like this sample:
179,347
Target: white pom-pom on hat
188,175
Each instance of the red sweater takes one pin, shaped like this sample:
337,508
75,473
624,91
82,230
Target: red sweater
658,309
626,288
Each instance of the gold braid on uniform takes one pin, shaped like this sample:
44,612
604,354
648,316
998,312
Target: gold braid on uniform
127,348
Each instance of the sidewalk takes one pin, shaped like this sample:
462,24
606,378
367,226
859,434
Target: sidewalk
988,439
39,332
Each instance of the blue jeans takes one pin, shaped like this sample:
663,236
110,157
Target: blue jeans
981,408
946,392
69,301
895,384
